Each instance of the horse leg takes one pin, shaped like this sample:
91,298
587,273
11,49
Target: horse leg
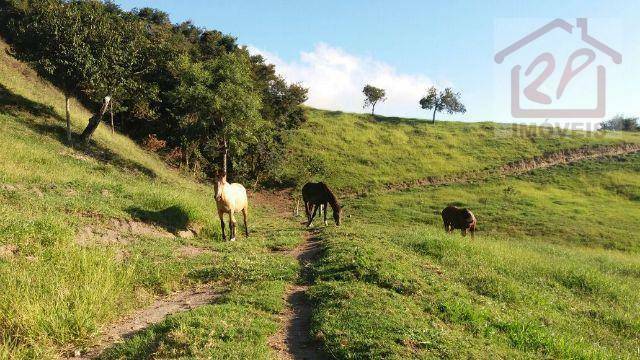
244,216
307,210
315,210
232,225
221,215
473,232
325,214
464,232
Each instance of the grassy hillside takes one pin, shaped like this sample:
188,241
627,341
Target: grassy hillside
88,234
357,152
553,273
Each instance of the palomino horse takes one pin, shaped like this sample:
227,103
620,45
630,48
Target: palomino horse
230,199
318,195
457,218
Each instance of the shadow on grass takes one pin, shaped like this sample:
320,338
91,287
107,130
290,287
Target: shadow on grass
334,113
147,344
14,105
173,218
393,120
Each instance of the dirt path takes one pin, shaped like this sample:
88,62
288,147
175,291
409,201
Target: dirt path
143,318
294,341
522,166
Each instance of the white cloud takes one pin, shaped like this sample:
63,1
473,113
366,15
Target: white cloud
335,80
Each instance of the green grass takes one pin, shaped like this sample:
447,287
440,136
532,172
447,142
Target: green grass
58,292
591,203
359,153
222,331
553,273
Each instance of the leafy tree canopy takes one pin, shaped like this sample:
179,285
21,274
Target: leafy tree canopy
185,86
373,95
445,100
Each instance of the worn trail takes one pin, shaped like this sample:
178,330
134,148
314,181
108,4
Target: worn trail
294,340
143,318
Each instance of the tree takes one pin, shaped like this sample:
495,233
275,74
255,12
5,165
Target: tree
446,100
51,41
621,123
118,49
139,67
373,95
87,48
219,105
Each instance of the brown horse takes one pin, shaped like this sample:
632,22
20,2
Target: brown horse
457,218
318,195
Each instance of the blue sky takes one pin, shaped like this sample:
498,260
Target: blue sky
335,46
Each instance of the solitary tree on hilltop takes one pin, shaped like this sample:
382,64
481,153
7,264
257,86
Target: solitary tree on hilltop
373,95
446,100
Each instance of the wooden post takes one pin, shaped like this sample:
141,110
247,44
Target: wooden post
225,152
68,110
113,129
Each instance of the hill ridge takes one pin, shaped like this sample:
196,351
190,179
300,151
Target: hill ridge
562,157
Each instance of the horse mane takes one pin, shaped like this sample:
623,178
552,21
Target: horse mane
333,201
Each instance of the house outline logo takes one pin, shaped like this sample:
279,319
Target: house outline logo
532,93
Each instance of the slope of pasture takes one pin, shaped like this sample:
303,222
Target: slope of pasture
553,272
358,152
88,234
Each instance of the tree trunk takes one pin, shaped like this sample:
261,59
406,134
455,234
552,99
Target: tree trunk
373,109
113,128
95,121
434,116
67,108
225,152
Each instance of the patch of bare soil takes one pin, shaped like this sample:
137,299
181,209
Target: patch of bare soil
141,319
118,231
189,251
294,341
8,251
522,166
8,187
75,155
280,201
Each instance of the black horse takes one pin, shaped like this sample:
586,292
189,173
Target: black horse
317,195
458,218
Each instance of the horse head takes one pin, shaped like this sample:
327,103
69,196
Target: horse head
337,214
221,181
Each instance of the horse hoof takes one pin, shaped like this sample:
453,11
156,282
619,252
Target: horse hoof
234,239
